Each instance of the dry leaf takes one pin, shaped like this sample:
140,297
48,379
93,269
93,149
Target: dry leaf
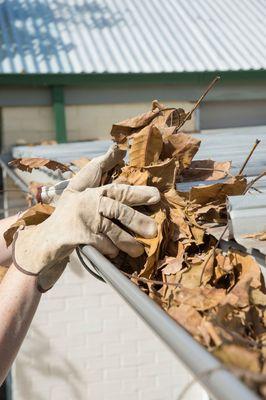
170,117
152,246
182,147
249,276
162,175
218,191
199,272
239,356
133,176
206,170
186,316
201,298
146,147
259,236
33,216
28,164
174,264
121,130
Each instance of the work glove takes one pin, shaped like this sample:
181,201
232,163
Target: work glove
99,216
89,176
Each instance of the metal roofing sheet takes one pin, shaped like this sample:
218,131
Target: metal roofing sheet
121,36
248,217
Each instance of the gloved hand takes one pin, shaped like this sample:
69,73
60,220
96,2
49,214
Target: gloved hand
84,216
88,176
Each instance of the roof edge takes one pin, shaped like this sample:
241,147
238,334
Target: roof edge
103,79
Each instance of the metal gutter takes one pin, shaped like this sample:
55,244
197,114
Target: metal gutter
219,382
113,79
216,378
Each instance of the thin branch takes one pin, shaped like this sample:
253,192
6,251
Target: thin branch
249,186
248,157
146,280
199,101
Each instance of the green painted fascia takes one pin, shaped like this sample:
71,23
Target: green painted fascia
112,79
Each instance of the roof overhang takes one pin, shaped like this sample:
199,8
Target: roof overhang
103,79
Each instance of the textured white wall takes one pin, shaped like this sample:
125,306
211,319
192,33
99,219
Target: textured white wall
86,343
34,124
95,120
27,124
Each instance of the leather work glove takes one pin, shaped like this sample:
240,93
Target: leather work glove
88,176
85,216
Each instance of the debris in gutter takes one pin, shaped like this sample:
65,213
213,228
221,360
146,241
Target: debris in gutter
218,297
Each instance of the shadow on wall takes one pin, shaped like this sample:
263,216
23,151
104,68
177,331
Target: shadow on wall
27,368
33,32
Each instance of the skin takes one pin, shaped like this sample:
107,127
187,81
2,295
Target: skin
19,299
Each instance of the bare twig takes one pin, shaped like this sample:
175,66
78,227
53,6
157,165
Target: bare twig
199,101
146,280
249,186
248,157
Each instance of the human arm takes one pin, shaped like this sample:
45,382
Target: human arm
84,214
19,299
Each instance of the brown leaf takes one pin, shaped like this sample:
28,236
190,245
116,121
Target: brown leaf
201,298
174,264
258,236
146,147
199,272
121,130
33,216
206,170
133,176
28,164
218,191
249,276
152,246
182,147
171,117
257,297
239,356
186,316
162,175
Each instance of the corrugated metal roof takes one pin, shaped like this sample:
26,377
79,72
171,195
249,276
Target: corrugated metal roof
248,217
122,36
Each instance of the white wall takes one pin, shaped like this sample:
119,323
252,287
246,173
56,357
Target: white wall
26,124
34,124
85,343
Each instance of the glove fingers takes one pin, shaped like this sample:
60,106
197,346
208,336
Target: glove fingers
123,240
103,244
111,158
132,195
137,222
90,175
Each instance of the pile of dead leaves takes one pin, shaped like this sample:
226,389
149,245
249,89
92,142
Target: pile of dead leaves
219,298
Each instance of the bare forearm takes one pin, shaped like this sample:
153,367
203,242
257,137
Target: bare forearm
19,300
